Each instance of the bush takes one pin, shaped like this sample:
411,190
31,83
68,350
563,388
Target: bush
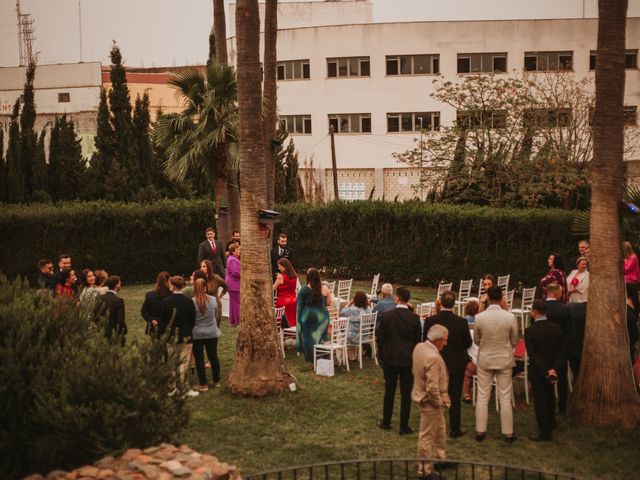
133,240
67,396
416,243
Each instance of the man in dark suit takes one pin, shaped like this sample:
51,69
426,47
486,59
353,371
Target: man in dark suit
282,250
211,249
560,314
544,341
575,336
454,354
113,305
397,334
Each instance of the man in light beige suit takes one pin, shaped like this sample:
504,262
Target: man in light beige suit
495,333
430,387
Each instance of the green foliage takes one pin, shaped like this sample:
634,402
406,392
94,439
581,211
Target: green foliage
67,396
28,137
132,240
15,173
39,180
417,243
287,182
141,125
67,168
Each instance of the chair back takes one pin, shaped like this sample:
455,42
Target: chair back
278,314
333,312
503,282
528,294
443,287
465,290
339,331
331,286
367,326
481,289
424,310
374,284
509,296
344,289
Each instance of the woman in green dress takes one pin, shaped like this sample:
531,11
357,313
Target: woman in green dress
312,314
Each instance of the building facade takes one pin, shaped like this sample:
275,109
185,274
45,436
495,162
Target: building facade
72,89
372,83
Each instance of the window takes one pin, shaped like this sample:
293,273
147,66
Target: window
348,67
482,63
351,190
481,119
63,97
630,59
548,61
296,124
631,115
546,117
350,122
413,64
293,70
413,122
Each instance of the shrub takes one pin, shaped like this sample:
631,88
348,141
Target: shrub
67,396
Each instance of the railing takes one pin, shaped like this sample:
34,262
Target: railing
404,469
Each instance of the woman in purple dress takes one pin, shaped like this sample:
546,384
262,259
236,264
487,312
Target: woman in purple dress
233,282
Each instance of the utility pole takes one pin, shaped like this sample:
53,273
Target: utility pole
333,163
25,36
80,26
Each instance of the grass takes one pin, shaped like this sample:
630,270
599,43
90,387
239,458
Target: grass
332,419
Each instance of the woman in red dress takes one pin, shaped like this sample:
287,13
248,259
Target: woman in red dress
285,286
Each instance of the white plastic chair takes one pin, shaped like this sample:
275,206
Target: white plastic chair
374,287
337,342
279,313
524,377
481,289
503,282
331,286
443,287
522,313
367,334
423,310
509,297
344,292
463,295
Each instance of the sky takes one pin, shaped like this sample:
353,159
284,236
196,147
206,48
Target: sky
175,32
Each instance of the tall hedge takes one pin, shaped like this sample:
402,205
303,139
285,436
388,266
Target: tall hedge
414,243
409,242
133,240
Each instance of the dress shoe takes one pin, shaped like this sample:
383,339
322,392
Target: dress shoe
457,434
406,431
384,426
539,438
480,436
510,439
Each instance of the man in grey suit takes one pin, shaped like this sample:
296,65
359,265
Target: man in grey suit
495,333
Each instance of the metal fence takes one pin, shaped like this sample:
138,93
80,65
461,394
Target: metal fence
404,469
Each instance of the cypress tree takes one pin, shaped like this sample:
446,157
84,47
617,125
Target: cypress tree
28,137
15,172
124,147
292,182
55,171
101,160
141,124
39,180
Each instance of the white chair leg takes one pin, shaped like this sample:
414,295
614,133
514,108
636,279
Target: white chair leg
346,358
360,354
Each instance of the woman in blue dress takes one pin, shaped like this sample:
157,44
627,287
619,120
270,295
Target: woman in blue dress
312,314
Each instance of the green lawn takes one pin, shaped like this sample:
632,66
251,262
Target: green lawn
331,419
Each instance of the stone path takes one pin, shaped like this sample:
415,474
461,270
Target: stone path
164,462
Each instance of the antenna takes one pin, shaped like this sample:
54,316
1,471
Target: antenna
25,36
80,26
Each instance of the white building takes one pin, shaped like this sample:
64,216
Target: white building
372,81
72,88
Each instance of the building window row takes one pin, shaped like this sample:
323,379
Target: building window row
300,124
429,64
413,122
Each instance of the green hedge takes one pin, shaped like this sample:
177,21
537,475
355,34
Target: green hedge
133,240
414,243
409,242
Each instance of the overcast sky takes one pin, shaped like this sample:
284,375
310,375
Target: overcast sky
168,32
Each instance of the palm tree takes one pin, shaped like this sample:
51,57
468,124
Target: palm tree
257,368
220,31
605,392
269,94
202,139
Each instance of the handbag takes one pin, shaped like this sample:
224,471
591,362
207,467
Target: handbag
324,367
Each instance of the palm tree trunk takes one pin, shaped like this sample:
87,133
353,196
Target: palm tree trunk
269,94
220,31
223,227
256,370
605,392
233,194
